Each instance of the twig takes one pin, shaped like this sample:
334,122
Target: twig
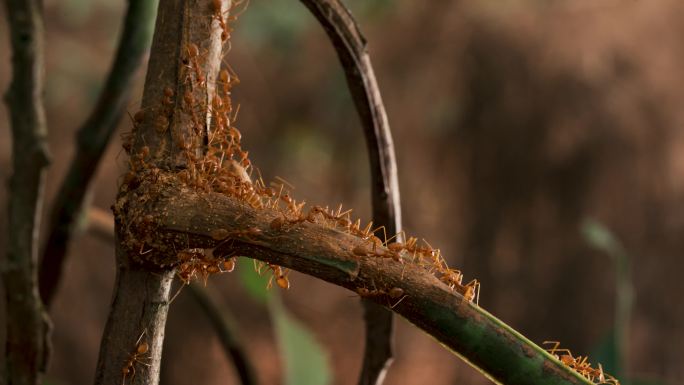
351,50
498,351
223,325
28,326
93,138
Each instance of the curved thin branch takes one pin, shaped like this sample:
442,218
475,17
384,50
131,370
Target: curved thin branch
92,141
224,327
186,219
28,326
353,54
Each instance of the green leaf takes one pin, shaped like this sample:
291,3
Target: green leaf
254,283
607,353
305,361
600,237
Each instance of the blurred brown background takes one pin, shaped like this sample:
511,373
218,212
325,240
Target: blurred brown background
514,122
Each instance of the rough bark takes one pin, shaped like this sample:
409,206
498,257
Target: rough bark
141,293
137,316
28,326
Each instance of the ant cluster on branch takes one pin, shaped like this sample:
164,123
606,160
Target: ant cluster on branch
210,158
581,365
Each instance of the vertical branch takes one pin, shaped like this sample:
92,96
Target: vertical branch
101,224
184,63
353,54
27,322
137,318
93,138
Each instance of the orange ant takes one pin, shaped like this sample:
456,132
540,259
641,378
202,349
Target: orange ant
361,250
565,358
452,278
471,291
218,14
228,265
395,293
280,275
334,217
138,356
189,107
193,52
168,96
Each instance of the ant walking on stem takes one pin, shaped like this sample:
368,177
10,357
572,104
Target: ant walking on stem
139,356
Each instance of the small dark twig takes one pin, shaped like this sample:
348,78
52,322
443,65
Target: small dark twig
93,138
28,326
353,54
224,327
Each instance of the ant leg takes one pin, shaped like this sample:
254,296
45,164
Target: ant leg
400,299
556,344
396,236
384,232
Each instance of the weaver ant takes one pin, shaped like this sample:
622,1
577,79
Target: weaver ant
193,53
138,356
217,5
395,293
280,275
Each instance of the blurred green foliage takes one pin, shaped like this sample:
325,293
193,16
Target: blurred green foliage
279,24
305,361
254,284
600,237
611,351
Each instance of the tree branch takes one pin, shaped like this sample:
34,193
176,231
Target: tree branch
28,325
137,318
187,40
224,327
93,138
101,223
353,54
184,218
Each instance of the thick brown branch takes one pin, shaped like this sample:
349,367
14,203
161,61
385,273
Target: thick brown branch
138,316
183,218
101,223
27,323
187,41
93,137
184,64
351,49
